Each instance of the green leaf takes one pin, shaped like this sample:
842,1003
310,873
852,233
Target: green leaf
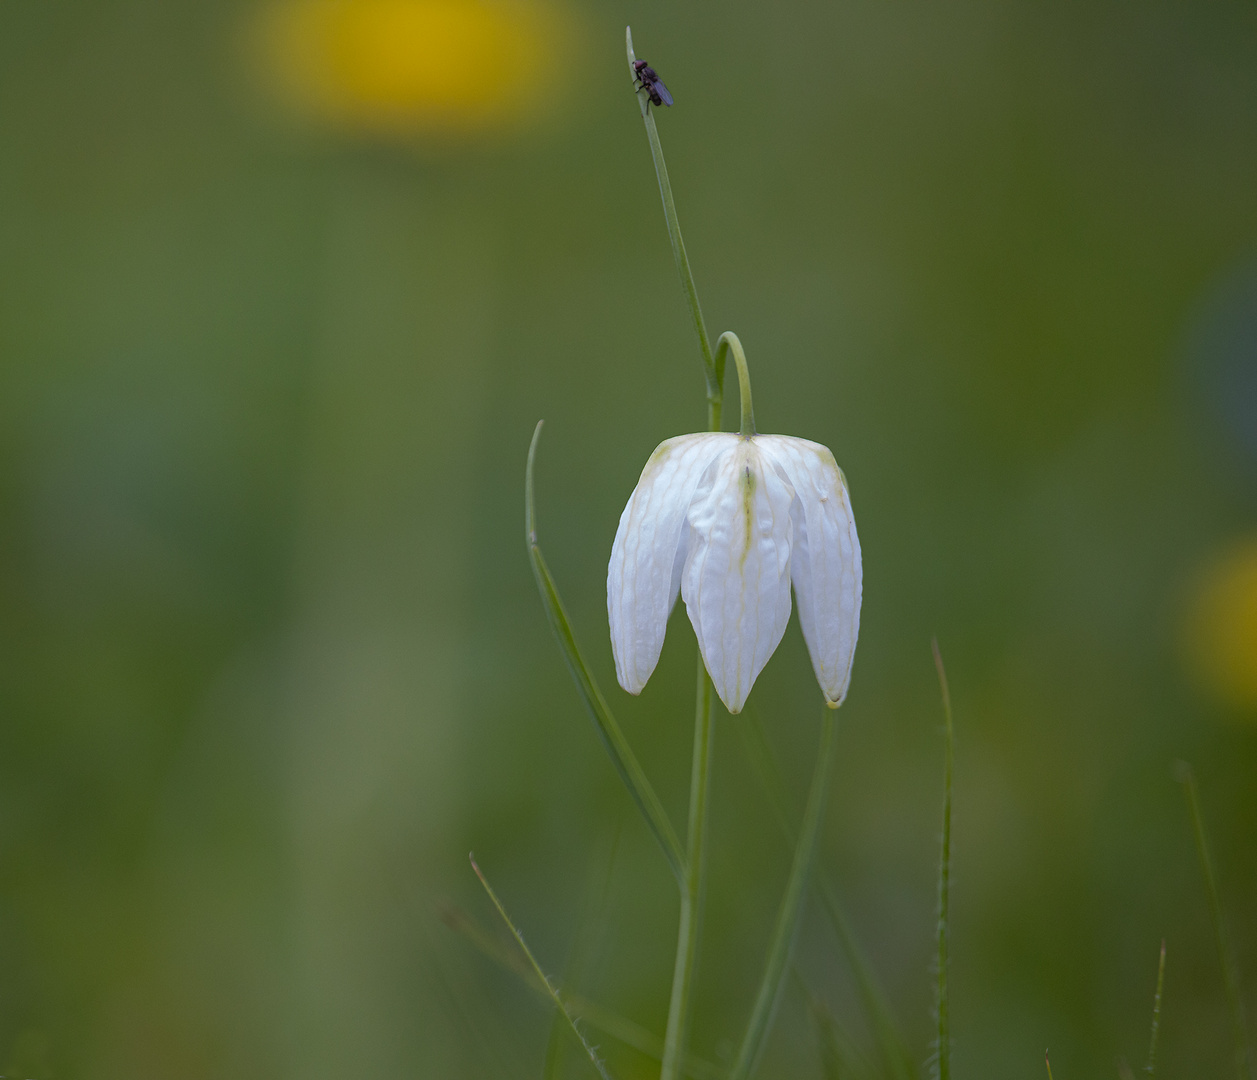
622,756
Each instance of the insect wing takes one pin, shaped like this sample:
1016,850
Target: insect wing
662,91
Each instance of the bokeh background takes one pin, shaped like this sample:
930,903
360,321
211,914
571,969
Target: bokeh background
283,291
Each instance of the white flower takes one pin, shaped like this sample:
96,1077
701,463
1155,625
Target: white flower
728,521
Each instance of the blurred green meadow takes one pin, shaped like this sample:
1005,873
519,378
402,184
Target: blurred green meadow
283,293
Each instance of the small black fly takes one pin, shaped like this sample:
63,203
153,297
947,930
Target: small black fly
651,83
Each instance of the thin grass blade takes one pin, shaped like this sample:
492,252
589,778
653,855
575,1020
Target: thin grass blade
782,942
550,987
891,1044
617,747
1151,1068
1226,957
942,1059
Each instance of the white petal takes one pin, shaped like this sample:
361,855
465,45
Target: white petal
825,564
737,573
644,574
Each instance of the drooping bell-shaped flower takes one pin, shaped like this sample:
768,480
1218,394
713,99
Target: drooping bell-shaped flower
729,522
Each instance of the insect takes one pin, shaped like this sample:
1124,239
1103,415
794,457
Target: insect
651,83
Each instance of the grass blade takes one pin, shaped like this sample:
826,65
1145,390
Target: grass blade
1151,1068
622,756
942,1060
550,987
1226,958
891,1044
788,916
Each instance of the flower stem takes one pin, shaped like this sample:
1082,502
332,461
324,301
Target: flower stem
704,729
729,342
692,890
713,369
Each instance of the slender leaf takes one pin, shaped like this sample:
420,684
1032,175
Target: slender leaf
550,987
782,942
1226,958
943,1051
622,756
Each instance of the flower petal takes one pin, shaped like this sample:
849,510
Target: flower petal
825,563
736,582
644,575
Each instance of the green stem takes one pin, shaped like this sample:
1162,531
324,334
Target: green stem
692,892
944,881
791,908
713,370
1226,958
729,341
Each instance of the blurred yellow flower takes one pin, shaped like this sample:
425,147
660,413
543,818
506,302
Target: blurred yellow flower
1221,636
406,67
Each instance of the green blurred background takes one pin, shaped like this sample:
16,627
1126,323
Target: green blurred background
271,656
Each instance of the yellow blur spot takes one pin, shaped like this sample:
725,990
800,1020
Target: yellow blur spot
1222,627
405,67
